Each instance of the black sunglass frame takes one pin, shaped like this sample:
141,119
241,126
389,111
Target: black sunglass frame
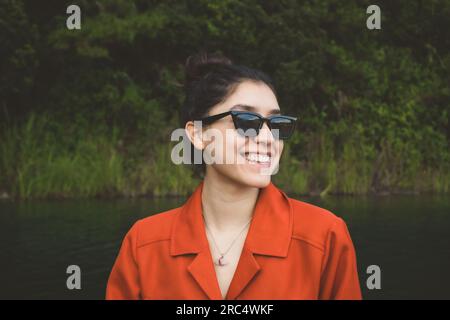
235,113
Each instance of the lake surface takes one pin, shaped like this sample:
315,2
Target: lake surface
408,237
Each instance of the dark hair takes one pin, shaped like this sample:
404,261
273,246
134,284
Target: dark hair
210,79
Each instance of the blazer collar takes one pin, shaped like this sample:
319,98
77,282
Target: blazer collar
269,233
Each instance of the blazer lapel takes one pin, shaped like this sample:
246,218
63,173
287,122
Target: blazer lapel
202,270
269,234
189,237
246,270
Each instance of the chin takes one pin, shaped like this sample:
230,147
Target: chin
256,181
243,176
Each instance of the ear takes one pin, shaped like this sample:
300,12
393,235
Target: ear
194,133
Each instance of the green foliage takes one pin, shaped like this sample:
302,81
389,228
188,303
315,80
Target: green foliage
37,164
373,106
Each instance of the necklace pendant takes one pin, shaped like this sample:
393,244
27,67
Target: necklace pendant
221,262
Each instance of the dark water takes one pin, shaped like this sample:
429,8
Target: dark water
407,236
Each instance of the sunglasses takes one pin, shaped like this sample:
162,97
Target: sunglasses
249,123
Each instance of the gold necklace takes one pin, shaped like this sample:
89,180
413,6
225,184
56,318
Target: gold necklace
221,260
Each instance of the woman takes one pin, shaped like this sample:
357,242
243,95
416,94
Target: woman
238,236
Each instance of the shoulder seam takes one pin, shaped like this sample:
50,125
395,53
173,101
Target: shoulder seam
151,242
313,244
161,238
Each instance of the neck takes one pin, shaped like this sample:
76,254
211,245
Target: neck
227,205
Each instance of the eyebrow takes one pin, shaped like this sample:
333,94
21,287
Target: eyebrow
253,109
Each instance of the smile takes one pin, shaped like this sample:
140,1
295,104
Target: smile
257,158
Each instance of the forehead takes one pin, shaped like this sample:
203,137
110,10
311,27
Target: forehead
256,94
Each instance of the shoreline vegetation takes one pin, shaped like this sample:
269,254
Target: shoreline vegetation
42,159
89,112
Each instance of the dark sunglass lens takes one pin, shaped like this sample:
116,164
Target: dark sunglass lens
282,128
247,124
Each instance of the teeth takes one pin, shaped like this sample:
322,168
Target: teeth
255,157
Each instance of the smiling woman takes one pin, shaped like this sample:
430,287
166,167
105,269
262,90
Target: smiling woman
238,236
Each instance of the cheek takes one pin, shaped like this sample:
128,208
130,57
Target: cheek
233,144
224,145
279,148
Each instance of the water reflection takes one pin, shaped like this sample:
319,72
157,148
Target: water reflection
407,236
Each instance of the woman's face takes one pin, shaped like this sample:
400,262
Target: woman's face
234,155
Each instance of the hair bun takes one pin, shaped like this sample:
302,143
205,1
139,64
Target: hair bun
199,64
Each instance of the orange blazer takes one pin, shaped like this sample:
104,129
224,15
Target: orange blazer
293,250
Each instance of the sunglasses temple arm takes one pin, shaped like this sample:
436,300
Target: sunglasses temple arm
211,119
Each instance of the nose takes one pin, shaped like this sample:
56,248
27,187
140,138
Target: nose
265,134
